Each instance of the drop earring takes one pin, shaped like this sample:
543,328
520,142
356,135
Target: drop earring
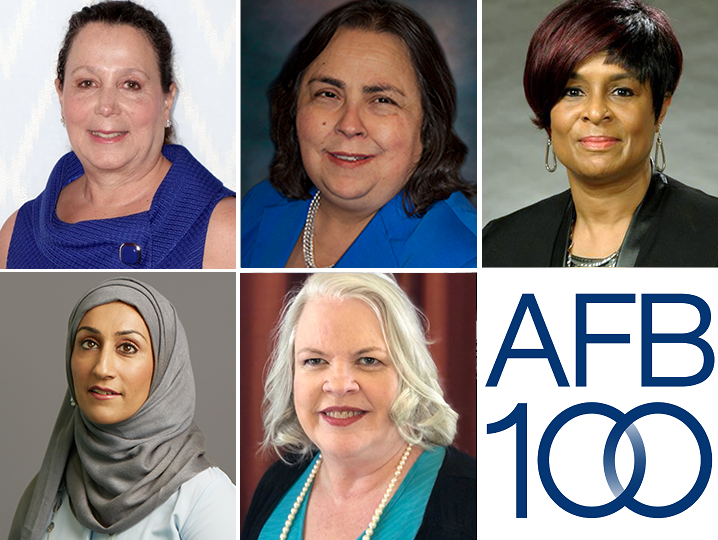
552,167
659,146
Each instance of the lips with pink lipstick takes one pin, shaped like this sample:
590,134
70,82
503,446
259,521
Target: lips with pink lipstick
598,142
107,137
341,416
348,159
102,393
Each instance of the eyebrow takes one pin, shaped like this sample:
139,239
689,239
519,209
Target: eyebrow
373,89
124,71
120,333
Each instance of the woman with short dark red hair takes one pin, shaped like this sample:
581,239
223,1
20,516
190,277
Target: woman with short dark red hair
599,77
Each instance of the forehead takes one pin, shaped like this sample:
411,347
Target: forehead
333,321
112,45
365,54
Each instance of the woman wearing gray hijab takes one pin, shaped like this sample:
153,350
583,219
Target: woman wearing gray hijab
125,459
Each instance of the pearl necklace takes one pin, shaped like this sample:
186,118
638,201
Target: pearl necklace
308,235
377,513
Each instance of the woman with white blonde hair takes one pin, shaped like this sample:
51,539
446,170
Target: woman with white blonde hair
354,410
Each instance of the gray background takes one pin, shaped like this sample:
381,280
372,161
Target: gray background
513,149
271,28
33,327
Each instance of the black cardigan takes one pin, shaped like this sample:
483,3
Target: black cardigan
450,512
675,225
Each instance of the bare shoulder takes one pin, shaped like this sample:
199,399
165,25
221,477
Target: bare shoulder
5,236
220,248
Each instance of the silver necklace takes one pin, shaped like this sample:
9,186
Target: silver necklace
574,261
369,532
308,235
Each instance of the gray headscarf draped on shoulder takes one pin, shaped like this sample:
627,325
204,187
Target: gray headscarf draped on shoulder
117,474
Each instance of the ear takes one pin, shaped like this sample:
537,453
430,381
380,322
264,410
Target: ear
666,103
58,89
170,99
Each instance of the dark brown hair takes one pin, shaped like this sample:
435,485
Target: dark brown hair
124,12
437,174
636,36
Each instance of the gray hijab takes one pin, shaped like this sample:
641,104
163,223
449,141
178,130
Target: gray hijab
117,474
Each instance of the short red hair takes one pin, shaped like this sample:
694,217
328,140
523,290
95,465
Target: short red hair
635,35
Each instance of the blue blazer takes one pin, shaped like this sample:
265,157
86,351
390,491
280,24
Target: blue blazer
445,237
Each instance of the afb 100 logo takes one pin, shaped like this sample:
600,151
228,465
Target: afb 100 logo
624,495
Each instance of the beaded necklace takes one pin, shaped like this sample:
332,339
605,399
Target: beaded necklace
369,532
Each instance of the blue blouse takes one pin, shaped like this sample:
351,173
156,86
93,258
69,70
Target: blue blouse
171,234
402,515
445,237
203,508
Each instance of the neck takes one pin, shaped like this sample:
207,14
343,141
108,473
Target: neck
347,478
124,188
609,202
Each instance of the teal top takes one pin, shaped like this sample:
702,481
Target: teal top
401,518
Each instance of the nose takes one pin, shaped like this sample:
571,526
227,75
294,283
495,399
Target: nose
350,123
104,367
597,109
107,101
340,380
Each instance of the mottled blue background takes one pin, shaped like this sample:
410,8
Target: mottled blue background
271,28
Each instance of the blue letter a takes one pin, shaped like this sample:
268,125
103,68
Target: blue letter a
527,302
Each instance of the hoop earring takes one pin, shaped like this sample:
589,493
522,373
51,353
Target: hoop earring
659,145
550,168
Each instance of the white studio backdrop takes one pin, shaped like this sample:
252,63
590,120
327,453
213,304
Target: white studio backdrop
613,377
32,138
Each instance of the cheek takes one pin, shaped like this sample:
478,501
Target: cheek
311,127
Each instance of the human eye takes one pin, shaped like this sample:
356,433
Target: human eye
383,100
572,91
326,94
310,362
133,85
624,92
127,348
85,83
369,361
88,344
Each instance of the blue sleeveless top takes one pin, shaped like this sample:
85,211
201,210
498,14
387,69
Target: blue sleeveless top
171,234
402,515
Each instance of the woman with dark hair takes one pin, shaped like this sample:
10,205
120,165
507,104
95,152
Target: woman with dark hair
366,169
126,459
125,196
600,76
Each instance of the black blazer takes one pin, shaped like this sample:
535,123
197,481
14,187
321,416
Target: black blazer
450,512
675,225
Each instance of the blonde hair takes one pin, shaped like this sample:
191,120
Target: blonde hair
419,412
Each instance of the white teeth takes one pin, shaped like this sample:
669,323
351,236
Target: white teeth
342,414
348,158
103,393
108,135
